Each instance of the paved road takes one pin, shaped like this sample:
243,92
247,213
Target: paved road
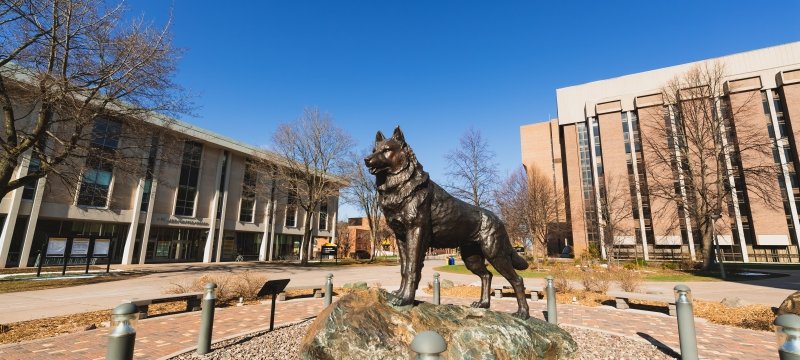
53,302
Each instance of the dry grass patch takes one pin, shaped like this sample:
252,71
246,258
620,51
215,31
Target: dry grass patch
17,285
230,286
66,324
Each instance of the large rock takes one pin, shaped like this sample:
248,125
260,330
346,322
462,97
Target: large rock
791,305
363,325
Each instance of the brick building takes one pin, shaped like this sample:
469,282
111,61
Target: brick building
598,135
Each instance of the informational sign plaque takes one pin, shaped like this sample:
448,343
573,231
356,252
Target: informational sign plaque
101,247
56,247
80,247
329,250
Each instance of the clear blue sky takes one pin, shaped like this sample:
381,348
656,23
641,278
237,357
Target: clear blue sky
436,67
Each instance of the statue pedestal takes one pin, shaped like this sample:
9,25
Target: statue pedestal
363,325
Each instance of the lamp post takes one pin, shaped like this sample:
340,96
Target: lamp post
686,333
714,218
788,328
123,332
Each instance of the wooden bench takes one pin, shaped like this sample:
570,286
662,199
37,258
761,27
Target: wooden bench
621,299
529,293
318,291
193,301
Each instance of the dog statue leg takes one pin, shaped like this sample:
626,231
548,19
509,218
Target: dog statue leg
401,249
414,256
475,262
504,266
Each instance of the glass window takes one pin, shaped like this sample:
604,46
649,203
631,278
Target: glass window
29,190
187,183
99,167
246,208
291,210
323,217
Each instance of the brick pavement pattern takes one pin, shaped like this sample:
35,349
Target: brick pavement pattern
161,336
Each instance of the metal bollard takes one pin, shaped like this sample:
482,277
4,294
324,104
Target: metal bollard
207,320
428,345
552,315
686,334
436,291
788,329
329,290
123,333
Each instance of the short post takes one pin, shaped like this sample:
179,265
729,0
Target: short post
207,320
123,332
552,315
686,334
328,289
788,329
428,345
436,285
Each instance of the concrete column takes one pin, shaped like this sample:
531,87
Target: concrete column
221,235
596,181
272,223
637,183
32,220
148,219
732,183
781,143
212,214
682,182
13,211
130,241
335,220
262,250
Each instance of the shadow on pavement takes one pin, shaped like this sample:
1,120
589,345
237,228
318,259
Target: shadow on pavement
661,346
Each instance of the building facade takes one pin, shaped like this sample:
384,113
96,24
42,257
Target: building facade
598,136
206,204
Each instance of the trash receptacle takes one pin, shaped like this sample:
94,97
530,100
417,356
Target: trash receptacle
451,260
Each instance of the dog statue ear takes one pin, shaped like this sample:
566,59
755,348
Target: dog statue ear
398,135
379,137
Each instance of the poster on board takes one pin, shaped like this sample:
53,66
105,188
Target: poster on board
101,247
56,247
80,247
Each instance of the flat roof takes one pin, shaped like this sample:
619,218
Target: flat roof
577,102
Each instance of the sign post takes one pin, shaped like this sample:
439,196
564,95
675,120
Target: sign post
330,249
80,248
273,287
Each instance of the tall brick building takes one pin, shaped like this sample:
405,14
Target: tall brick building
598,136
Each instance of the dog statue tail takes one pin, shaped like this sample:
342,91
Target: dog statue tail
518,261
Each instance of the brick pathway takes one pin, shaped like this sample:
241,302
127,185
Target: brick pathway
162,336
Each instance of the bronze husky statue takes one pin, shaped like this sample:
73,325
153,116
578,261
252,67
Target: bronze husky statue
423,215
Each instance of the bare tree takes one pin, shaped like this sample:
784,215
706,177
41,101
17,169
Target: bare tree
64,64
531,207
697,140
343,238
512,202
363,193
472,169
312,153
615,214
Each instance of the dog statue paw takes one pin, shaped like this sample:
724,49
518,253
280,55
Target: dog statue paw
521,315
480,304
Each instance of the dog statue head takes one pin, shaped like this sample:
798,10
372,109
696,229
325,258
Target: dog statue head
389,156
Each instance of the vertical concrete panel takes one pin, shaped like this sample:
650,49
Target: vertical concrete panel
208,181
765,219
574,190
615,164
665,224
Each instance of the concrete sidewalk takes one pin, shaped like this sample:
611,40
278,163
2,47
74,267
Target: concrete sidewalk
162,336
28,305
